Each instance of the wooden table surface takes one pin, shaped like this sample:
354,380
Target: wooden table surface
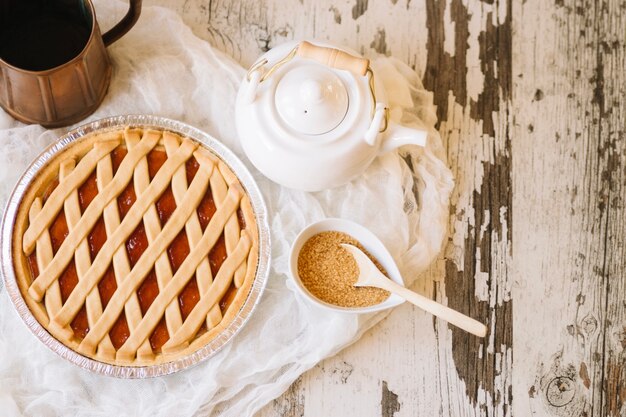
530,97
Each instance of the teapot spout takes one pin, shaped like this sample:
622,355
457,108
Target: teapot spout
396,136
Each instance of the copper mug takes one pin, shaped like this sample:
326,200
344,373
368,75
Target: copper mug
54,67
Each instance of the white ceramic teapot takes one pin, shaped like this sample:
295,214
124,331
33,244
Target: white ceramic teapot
311,116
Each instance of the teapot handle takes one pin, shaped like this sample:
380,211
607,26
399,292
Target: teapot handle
124,25
396,136
334,58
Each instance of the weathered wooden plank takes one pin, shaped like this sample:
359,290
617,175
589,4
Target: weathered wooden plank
609,93
570,196
474,122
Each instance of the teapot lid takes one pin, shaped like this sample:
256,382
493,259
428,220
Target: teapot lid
311,99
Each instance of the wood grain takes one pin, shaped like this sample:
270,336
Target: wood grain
570,194
530,98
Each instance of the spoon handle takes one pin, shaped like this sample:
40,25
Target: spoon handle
446,313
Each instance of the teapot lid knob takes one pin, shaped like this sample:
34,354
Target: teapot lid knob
311,99
312,91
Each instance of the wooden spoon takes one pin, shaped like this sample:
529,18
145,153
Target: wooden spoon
370,276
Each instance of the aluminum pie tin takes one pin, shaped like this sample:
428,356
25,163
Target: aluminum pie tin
213,346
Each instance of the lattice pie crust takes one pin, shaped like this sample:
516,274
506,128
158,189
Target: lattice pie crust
135,246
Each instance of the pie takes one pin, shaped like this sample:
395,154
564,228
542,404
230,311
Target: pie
135,246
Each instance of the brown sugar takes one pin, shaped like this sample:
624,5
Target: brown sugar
329,271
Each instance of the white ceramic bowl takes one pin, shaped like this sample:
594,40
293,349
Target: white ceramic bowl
369,241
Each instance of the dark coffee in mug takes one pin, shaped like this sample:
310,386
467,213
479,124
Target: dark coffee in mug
37,35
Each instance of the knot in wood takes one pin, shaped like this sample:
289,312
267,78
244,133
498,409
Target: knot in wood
589,324
561,391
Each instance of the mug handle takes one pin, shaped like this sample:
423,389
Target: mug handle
123,25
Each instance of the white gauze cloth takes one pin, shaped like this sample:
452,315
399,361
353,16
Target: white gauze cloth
161,68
